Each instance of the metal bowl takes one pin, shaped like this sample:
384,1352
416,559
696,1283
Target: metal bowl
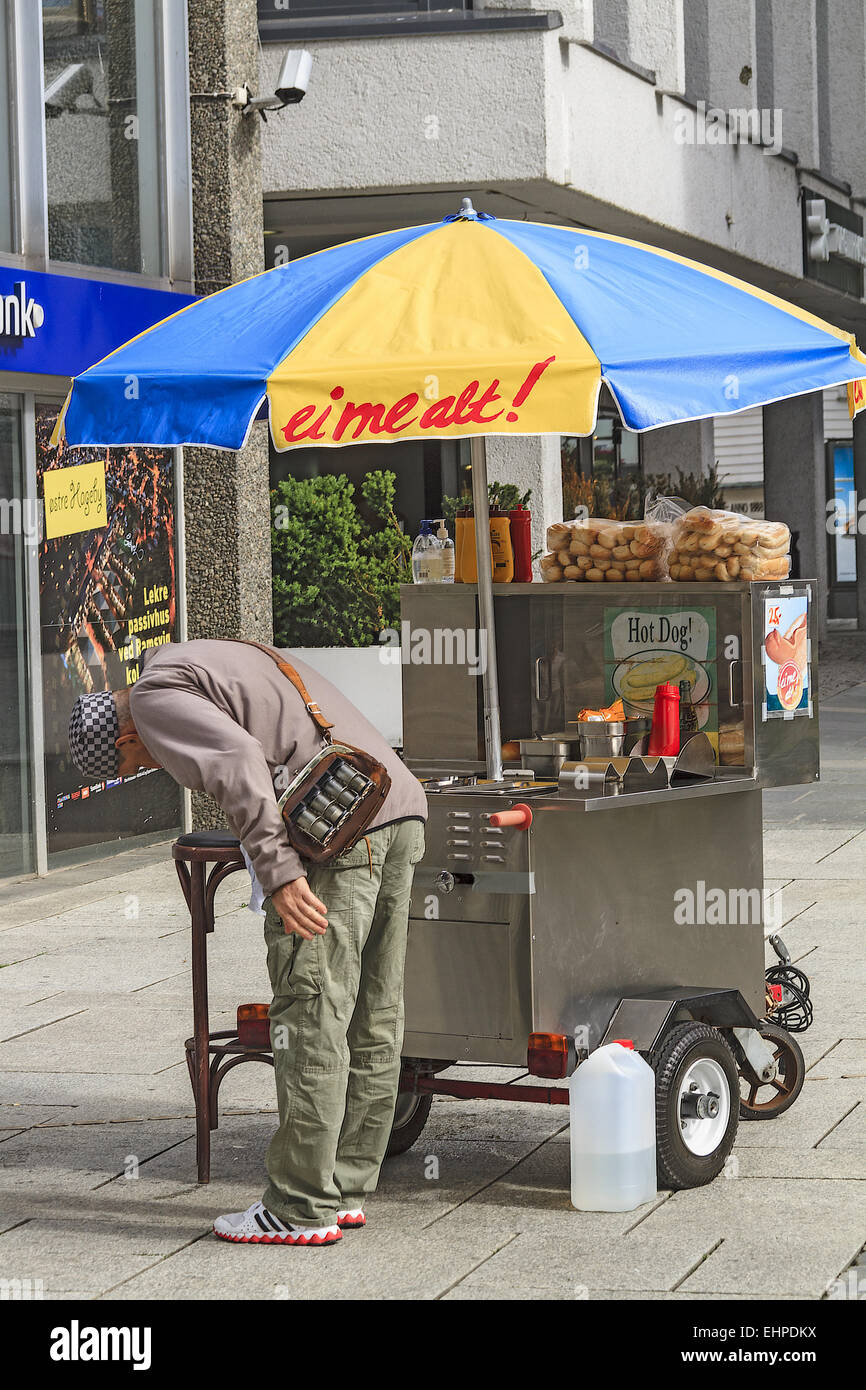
610,738
547,753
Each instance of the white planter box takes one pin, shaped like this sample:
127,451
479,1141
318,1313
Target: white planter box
374,685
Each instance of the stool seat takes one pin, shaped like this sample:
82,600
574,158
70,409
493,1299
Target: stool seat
216,838
209,846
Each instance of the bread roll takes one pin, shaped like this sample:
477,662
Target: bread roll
558,535
595,576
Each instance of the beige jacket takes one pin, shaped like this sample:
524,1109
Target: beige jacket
221,717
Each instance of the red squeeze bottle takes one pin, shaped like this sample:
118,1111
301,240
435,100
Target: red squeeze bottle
664,739
521,544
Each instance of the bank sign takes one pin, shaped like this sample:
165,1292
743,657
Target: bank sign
59,325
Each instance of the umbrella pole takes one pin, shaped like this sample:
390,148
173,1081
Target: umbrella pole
487,628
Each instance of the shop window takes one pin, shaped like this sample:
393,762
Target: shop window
18,530
307,9
8,237
842,523
107,593
102,141
602,470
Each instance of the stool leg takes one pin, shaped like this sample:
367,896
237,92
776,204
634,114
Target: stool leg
198,913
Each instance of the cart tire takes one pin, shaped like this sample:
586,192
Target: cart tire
410,1117
694,1059
789,1083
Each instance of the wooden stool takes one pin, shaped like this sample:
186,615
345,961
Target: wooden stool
209,1056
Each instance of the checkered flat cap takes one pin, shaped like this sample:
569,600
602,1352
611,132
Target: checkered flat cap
93,729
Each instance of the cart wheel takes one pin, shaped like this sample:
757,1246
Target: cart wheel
410,1117
697,1089
764,1100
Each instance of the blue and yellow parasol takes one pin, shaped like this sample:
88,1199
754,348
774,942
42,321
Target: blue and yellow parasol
466,327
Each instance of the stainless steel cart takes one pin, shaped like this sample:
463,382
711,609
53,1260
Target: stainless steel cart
531,944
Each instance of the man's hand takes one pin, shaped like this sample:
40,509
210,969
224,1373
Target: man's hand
300,910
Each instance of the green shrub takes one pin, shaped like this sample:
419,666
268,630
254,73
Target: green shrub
336,567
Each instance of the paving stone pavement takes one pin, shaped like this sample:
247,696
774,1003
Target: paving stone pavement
98,1197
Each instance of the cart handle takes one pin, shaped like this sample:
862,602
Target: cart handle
519,816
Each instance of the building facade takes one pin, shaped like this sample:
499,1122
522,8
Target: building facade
130,179
713,128
95,245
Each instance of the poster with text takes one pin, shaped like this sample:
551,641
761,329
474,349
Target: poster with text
107,591
645,648
786,657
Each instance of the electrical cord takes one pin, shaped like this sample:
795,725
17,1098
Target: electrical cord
794,1013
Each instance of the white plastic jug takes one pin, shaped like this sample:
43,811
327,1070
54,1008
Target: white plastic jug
613,1130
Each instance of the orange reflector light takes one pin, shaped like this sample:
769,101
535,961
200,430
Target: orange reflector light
254,1029
547,1054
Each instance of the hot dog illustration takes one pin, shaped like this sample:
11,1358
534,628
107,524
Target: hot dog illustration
789,654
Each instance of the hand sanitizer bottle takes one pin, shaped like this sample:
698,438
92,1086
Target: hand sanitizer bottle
446,553
424,556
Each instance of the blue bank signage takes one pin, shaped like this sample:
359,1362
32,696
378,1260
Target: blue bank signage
58,325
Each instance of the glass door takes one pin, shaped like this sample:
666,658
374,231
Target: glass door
19,528
842,519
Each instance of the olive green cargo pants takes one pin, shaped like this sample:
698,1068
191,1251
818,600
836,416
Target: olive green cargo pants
337,1029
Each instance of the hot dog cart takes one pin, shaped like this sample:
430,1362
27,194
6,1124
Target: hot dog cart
614,899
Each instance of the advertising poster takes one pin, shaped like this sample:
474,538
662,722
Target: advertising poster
787,690
644,648
108,591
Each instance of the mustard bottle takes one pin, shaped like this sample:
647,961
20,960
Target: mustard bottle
469,557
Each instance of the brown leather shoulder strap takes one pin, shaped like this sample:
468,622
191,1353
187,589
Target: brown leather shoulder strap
291,674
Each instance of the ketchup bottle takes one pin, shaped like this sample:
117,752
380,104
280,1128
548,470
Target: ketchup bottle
521,544
664,739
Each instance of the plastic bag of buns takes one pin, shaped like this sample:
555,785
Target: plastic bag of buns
597,550
725,546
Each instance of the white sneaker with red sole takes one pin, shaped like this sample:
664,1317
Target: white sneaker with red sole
258,1226
351,1220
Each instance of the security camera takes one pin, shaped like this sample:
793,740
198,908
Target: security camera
294,78
62,94
292,84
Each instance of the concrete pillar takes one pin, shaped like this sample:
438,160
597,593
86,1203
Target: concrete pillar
846,91
530,463
227,501
860,493
689,446
657,40
731,54
795,489
794,76
227,495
